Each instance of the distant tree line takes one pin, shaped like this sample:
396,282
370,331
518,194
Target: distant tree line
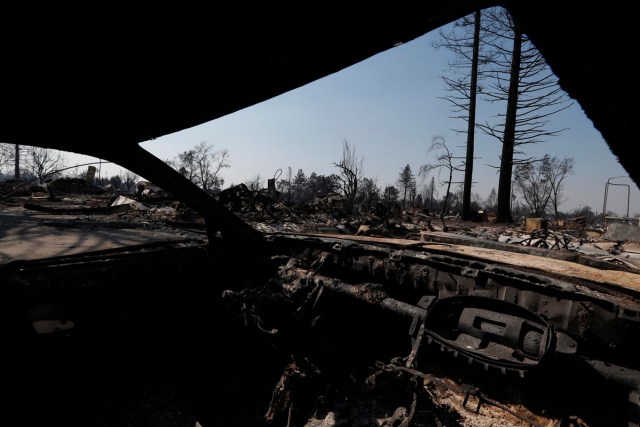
537,185
37,165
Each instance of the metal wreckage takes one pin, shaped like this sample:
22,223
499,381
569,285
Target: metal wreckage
249,328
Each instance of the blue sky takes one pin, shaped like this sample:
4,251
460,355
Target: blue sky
388,108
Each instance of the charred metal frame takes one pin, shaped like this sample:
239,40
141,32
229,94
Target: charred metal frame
508,322
604,323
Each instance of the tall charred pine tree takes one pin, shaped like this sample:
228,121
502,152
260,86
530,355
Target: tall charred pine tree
522,81
464,40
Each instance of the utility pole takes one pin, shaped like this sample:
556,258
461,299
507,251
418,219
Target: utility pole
17,165
433,181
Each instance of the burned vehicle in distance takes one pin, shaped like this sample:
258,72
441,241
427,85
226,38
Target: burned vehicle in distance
231,326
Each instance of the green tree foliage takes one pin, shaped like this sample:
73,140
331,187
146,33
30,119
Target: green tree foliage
299,186
407,184
390,194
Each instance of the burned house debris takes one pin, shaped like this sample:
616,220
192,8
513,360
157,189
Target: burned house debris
193,309
407,323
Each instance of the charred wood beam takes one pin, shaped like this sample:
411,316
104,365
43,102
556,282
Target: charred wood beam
564,255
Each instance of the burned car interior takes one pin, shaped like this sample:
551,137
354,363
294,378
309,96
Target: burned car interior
245,328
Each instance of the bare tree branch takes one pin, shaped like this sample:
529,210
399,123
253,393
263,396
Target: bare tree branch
351,170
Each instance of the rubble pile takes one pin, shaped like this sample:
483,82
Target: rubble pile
152,207
380,317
